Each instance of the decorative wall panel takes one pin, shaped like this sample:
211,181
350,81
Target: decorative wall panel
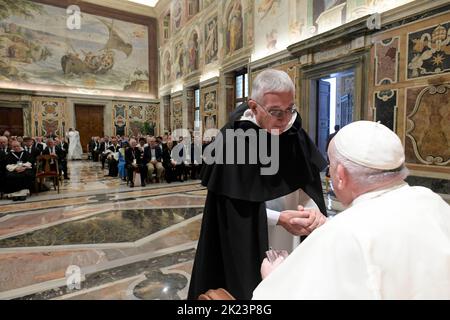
177,114
386,61
428,129
49,115
386,108
130,118
208,107
429,51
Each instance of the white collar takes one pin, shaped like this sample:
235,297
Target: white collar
250,116
377,193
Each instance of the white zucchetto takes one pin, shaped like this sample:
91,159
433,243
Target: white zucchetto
370,144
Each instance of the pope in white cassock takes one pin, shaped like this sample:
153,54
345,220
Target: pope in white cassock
75,151
393,241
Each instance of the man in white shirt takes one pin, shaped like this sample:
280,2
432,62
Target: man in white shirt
393,241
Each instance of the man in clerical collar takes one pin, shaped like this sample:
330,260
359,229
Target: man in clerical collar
19,172
4,144
234,235
30,148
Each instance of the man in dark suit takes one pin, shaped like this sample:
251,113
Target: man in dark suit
2,167
153,159
103,151
113,158
134,161
32,150
39,144
62,158
52,149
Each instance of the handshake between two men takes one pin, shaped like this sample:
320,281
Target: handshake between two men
300,222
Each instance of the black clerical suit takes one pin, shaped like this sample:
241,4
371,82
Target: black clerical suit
33,152
2,169
103,147
64,147
113,169
234,232
95,150
132,154
62,158
16,181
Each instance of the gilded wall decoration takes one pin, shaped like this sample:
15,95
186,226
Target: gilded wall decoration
37,48
177,115
49,116
120,119
177,13
211,40
429,51
428,129
386,61
179,61
385,110
166,68
209,108
134,119
152,118
193,52
234,23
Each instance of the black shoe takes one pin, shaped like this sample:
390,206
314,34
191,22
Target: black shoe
131,185
66,178
142,184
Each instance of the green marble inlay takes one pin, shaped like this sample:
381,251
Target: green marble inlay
110,227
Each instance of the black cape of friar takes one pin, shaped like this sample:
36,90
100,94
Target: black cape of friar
234,235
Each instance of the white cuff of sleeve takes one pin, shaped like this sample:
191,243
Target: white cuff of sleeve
272,217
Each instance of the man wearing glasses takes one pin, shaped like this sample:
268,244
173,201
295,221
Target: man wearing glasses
245,210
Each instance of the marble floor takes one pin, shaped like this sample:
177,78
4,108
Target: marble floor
114,241
100,239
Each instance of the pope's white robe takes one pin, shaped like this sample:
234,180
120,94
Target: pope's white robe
390,244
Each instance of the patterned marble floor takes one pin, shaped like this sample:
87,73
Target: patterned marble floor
117,242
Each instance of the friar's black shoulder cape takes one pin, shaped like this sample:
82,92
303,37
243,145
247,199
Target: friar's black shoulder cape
299,162
234,235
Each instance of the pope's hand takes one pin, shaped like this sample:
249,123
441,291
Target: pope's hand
315,219
301,222
267,267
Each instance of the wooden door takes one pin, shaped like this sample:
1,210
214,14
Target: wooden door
11,119
323,117
89,121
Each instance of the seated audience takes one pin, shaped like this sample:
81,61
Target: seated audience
153,160
134,162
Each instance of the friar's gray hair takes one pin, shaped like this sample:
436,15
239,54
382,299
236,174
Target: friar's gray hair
364,177
271,81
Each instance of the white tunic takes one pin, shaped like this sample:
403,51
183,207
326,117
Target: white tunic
390,244
75,151
280,238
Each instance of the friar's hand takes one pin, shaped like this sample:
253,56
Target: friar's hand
302,221
267,267
315,219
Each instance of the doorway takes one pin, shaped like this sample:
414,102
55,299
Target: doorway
89,122
11,119
335,106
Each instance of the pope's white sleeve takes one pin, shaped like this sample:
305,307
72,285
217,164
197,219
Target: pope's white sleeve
272,217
